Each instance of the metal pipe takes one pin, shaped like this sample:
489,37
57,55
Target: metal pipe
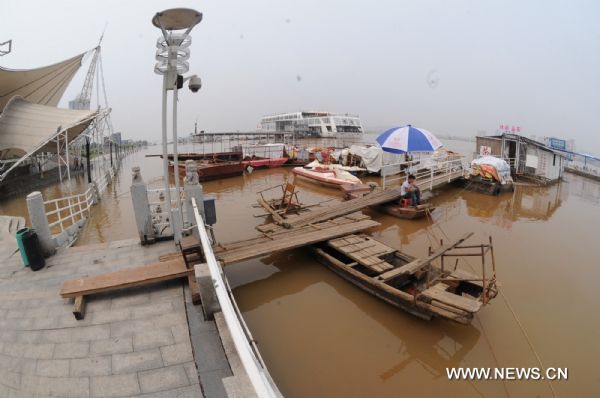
165,150
175,155
87,153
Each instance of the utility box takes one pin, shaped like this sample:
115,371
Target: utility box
210,211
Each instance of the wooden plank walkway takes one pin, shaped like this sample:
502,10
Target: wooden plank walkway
329,212
302,236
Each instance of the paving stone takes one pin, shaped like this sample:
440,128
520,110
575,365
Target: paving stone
192,372
163,379
152,339
40,351
53,367
192,391
72,350
144,311
76,387
117,345
96,332
57,336
111,315
115,386
181,334
10,379
130,300
176,353
136,361
96,366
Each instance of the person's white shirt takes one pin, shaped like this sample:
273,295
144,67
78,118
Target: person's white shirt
405,187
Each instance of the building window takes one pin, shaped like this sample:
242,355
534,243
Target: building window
554,160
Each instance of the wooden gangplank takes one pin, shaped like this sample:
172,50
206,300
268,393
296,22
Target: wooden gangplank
302,236
330,212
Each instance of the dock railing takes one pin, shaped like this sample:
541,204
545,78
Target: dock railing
67,211
428,172
249,357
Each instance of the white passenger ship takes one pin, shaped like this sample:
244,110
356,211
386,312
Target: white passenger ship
313,124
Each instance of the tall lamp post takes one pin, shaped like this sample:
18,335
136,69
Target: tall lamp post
173,51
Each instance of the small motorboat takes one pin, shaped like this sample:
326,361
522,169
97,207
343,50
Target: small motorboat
332,175
259,156
414,285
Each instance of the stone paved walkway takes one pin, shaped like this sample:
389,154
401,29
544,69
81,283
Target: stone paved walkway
133,342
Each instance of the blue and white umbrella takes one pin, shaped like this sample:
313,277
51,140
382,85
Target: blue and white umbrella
408,139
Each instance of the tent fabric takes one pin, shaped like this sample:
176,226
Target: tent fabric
26,128
44,85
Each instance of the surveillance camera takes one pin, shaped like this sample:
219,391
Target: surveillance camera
195,84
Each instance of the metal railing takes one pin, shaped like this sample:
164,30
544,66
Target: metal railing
428,172
68,210
251,361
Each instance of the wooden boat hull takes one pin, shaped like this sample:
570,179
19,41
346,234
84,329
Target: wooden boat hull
323,178
212,171
368,285
410,284
265,163
407,213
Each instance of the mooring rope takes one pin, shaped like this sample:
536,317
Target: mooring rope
508,305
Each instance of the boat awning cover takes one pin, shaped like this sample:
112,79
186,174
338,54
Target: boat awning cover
44,85
26,128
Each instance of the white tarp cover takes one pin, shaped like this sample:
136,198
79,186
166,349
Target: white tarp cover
502,168
26,128
44,85
373,157
271,151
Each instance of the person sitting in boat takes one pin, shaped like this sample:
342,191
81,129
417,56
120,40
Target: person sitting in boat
409,190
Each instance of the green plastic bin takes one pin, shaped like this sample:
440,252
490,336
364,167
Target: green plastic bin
20,234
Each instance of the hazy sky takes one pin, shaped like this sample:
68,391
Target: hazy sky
453,67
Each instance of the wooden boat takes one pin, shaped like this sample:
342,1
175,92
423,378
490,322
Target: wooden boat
399,209
258,163
405,212
211,166
414,285
327,176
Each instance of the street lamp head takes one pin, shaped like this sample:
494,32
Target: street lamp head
177,19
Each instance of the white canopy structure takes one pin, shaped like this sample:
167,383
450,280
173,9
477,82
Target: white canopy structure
44,85
30,122
27,128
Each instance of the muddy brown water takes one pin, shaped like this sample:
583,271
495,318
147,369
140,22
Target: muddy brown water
321,336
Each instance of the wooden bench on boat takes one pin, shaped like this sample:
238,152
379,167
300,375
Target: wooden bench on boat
170,266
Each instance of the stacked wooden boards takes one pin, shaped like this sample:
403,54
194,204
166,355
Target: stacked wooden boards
329,212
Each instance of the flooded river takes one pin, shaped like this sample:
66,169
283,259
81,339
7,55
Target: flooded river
323,337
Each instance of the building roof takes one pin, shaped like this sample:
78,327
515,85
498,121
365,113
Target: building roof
526,140
44,85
